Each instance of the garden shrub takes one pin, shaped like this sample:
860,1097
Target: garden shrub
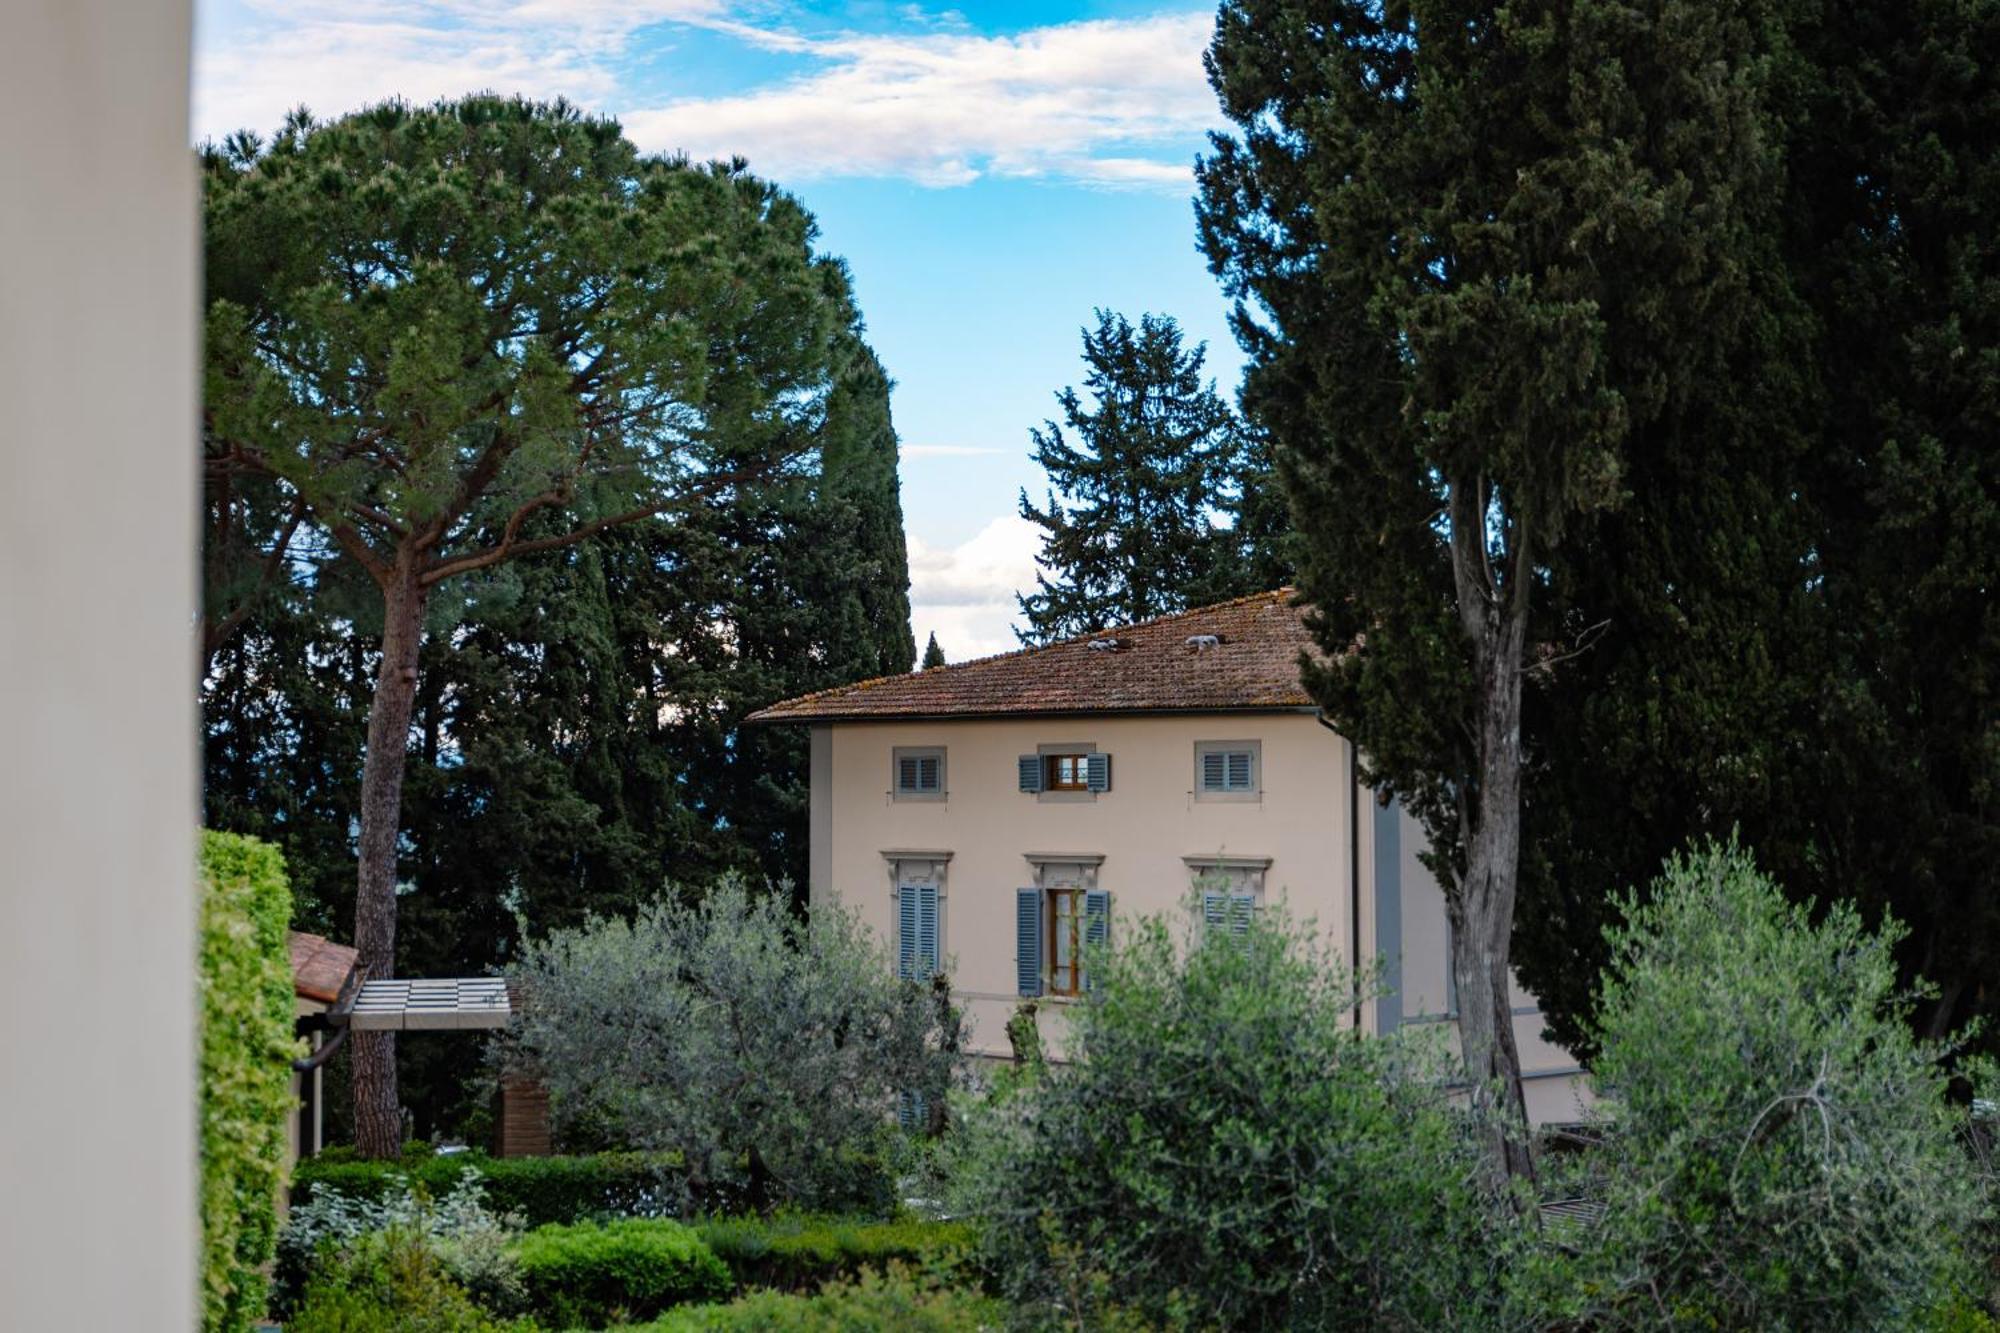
765,1052
468,1240
1223,1150
800,1253
539,1190
872,1301
1780,1153
391,1279
594,1274
247,1046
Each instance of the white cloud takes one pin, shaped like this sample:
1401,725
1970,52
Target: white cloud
965,594
336,56
1077,100
1115,103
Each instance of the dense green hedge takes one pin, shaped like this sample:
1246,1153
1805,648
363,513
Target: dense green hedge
591,1274
872,1302
246,1050
799,1253
541,1190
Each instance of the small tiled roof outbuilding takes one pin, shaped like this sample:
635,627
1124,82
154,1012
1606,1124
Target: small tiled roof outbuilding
319,966
1240,656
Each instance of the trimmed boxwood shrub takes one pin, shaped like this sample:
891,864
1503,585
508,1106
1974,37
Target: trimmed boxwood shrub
392,1280
872,1302
247,1047
799,1253
540,1190
591,1274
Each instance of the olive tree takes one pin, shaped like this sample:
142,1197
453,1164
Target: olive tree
1224,1147
1781,1153
770,1053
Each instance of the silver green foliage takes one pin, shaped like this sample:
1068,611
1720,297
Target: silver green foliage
1224,1148
1781,1152
766,1050
472,1244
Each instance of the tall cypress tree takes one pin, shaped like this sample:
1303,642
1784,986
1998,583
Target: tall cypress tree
1832,691
1489,259
933,655
1142,471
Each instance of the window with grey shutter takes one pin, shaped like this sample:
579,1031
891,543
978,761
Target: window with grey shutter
916,931
1228,912
1028,940
918,773
1096,927
1227,770
1097,771
1031,772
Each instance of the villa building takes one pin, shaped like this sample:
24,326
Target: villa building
995,815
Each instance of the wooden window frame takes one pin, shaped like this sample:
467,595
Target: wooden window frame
1079,768
1058,980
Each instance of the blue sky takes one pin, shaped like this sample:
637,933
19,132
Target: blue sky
991,172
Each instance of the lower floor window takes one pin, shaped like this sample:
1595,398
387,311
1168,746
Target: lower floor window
1065,915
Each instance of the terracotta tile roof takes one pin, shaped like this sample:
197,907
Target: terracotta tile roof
319,966
1255,665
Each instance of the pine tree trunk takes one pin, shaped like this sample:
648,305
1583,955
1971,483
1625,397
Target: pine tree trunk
378,1114
1482,912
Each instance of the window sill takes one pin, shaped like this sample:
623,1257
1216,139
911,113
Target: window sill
1228,797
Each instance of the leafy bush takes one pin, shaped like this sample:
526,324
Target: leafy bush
801,1253
619,1271
764,1052
870,1302
468,1241
247,1047
540,1190
391,1280
1224,1150
1780,1151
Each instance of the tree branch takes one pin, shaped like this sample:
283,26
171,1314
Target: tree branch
508,547
215,634
356,546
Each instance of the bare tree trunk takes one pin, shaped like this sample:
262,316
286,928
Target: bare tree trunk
378,1114
1482,909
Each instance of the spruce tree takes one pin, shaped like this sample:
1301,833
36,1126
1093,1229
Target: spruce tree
933,655
1485,260
1129,530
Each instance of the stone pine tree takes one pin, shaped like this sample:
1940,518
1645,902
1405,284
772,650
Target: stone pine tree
1139,472
1476,252
459,335
933,655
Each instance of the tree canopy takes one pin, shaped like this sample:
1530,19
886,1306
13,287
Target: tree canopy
443,339
1145,470
1491,266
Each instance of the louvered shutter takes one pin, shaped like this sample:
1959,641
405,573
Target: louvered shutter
1097,771
1031,772
1214,908
907,911
912,1110
1241,905
928,777
906,773
1237,777
1096,927
1214,771
1028,940
927,930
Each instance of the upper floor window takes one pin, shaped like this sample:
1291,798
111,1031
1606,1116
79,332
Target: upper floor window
1066,772
918,773
1228,770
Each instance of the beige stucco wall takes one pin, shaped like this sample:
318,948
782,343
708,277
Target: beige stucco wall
1144,828
98,320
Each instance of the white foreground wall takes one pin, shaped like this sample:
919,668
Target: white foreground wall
98,323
